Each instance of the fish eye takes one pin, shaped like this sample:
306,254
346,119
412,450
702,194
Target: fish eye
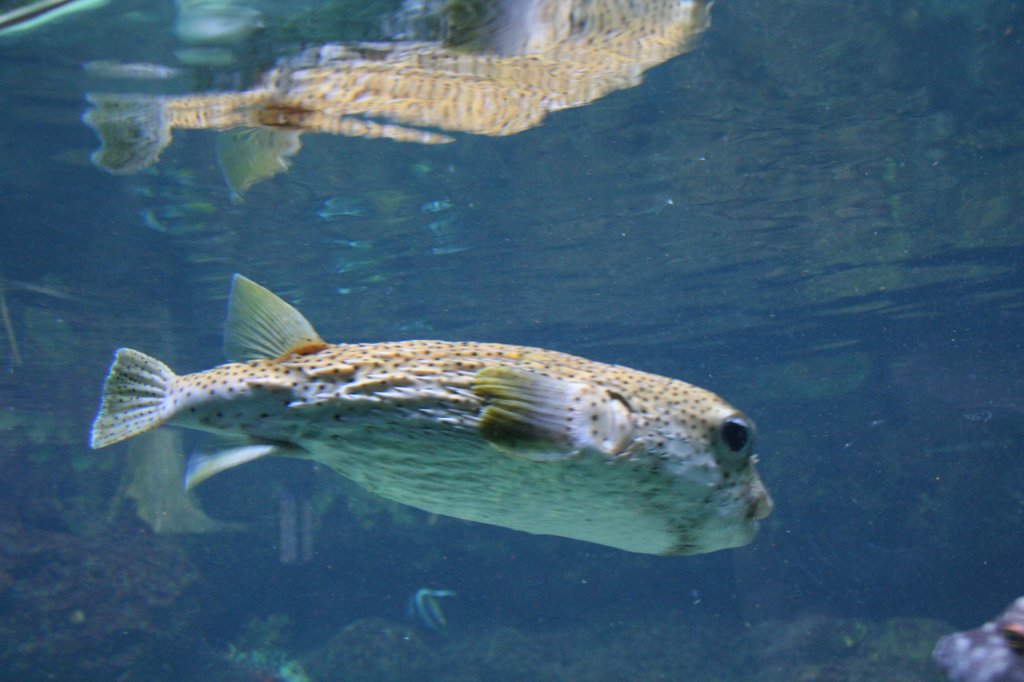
736,432
1013,633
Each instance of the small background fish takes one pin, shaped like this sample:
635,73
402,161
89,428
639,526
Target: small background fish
993,652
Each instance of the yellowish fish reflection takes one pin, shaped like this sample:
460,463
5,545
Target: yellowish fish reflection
499,69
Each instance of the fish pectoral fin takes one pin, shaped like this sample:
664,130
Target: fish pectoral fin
249,155
503,27
542,418
134,398
261,325
201,467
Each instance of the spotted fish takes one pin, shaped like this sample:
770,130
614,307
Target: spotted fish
993,652
520,437
501,68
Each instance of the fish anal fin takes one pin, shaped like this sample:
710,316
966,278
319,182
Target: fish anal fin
202,467
262,326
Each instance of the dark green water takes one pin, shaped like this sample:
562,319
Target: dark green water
816,214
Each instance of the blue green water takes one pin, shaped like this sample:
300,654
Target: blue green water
816,214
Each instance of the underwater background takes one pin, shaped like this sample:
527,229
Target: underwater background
815,213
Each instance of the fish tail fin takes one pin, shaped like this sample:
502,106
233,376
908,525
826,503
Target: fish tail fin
134,398
133,131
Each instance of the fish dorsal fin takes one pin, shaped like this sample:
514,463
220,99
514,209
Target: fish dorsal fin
261,325
544,418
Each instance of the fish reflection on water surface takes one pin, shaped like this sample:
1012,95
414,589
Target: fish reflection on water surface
519,437
502,66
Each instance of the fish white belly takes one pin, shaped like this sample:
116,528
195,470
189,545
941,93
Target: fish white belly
441,469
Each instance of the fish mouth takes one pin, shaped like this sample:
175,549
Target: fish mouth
762,507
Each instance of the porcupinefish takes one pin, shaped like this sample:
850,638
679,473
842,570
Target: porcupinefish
993,652
501,67
520,437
